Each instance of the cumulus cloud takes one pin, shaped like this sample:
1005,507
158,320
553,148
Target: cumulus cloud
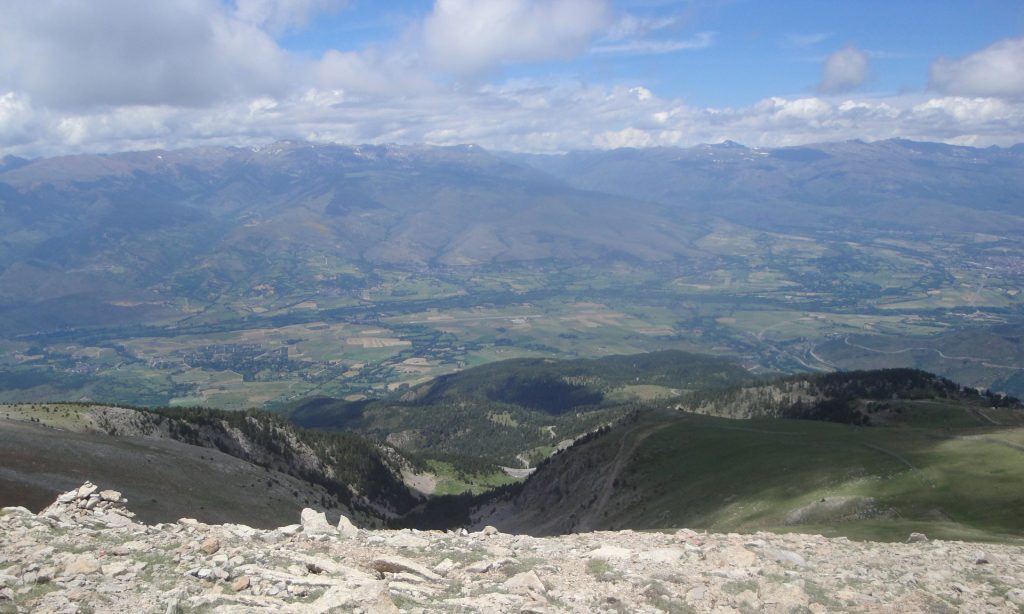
467,37
519,115
114,52
844,70
111,75
997,70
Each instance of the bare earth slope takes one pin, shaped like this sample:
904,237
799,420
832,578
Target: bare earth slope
70,559
163,479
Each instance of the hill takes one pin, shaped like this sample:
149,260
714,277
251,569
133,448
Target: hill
947,466
516,412
145,230
164,480
851,397
642,442
211,457
885,184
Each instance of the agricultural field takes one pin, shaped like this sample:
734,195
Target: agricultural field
777,302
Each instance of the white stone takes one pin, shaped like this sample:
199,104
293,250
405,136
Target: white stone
526,583
346,528
610,552
396,564
315,523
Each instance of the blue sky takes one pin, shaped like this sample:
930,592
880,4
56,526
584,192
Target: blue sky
529,75
758,48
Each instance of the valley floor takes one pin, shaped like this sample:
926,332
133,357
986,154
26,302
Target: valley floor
72,559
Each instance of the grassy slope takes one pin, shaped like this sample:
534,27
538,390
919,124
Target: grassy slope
163,480
344,470
944,475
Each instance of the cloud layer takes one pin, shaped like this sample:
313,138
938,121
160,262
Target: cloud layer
107,75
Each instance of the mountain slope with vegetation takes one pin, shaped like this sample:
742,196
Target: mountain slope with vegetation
651,441
851,397
350,471
945,463
519,411
893,183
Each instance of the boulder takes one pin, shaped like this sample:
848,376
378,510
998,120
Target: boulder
240,584
396,564
82,565
210,545
110,495
917,538
346,528
526,583
315,523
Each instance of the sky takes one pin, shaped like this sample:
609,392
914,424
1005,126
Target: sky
83,76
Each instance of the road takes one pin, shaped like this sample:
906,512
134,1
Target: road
983,361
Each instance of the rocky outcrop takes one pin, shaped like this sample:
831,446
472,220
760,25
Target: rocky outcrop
72,558
89,504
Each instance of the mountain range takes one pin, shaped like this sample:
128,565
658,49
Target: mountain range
131,233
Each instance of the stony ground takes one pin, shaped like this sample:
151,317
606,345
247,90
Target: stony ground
86,553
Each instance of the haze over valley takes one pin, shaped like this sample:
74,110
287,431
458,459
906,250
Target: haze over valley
518,306
251,277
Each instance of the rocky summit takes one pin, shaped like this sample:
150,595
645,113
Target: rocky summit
87,553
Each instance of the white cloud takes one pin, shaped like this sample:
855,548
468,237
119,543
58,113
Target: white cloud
997,70
468,37
521,115
844,70
110,75
632,26
113,52
370,72
806,40
18,121
278,15
701,40
636,35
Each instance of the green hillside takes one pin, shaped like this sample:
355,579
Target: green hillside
348,470
518,411
949,468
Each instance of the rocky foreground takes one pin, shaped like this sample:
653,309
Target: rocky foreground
86,553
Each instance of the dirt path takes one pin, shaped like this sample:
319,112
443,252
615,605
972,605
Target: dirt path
983,416
627,447
901,459
519,472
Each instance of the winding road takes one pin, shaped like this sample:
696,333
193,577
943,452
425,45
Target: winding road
984,361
